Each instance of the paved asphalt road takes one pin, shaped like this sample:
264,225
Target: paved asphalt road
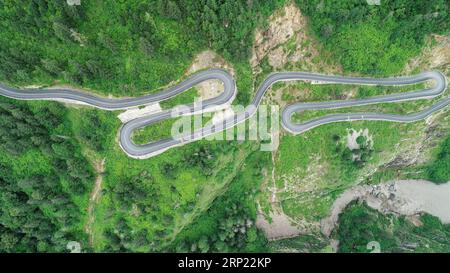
226,97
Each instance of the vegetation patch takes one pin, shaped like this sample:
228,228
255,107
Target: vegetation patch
359,225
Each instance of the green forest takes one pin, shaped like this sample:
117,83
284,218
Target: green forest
360,224
199,197
141,45
42,175
375,39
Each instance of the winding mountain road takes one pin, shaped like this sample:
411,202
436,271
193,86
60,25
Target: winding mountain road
226,97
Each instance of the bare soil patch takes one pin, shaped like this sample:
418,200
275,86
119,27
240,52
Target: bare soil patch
280,226
283,25
99,167
436,55
285,45
204,60
353,135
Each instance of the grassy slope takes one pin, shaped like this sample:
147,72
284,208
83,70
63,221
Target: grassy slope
240,195
312,157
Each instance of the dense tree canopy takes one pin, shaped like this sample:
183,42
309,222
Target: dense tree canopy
125,47
37,212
